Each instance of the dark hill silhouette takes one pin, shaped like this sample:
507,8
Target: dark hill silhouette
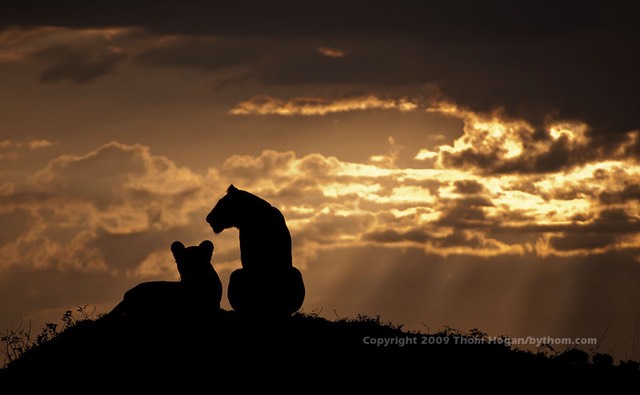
301,347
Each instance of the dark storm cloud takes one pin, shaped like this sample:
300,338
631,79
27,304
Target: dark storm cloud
461,238
607,222
589,76
77,64
629,193
467,187
457,238
535,60
582,241
616,220
465,213
393,236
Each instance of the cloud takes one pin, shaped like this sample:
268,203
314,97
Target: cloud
28,144
114,211
13,149
628,193
81,207
37,144
582,241
267,105
445,211
274,62
78,56
80,201
115,172
78,65
466,187
490,143
17,44
495,143
332,52
580,68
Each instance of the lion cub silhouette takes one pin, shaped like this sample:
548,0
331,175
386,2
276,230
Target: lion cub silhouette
268,283
199,290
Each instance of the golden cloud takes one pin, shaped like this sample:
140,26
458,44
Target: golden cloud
267,105
493,143
448,207
465,213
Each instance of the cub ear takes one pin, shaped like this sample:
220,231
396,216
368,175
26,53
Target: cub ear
177,248
207,246
232,189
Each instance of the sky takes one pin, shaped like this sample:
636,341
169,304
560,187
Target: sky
438,164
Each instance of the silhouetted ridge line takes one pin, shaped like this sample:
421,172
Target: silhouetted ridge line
301,345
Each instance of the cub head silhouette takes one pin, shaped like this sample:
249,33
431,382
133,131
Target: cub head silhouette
198,291
267,283
194,263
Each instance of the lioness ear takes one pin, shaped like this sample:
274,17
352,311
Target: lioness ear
208,247
177,248
232,189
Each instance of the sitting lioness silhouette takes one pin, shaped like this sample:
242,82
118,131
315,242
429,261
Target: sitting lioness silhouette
198,292
268,283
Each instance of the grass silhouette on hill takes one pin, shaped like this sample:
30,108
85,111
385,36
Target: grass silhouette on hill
302,346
